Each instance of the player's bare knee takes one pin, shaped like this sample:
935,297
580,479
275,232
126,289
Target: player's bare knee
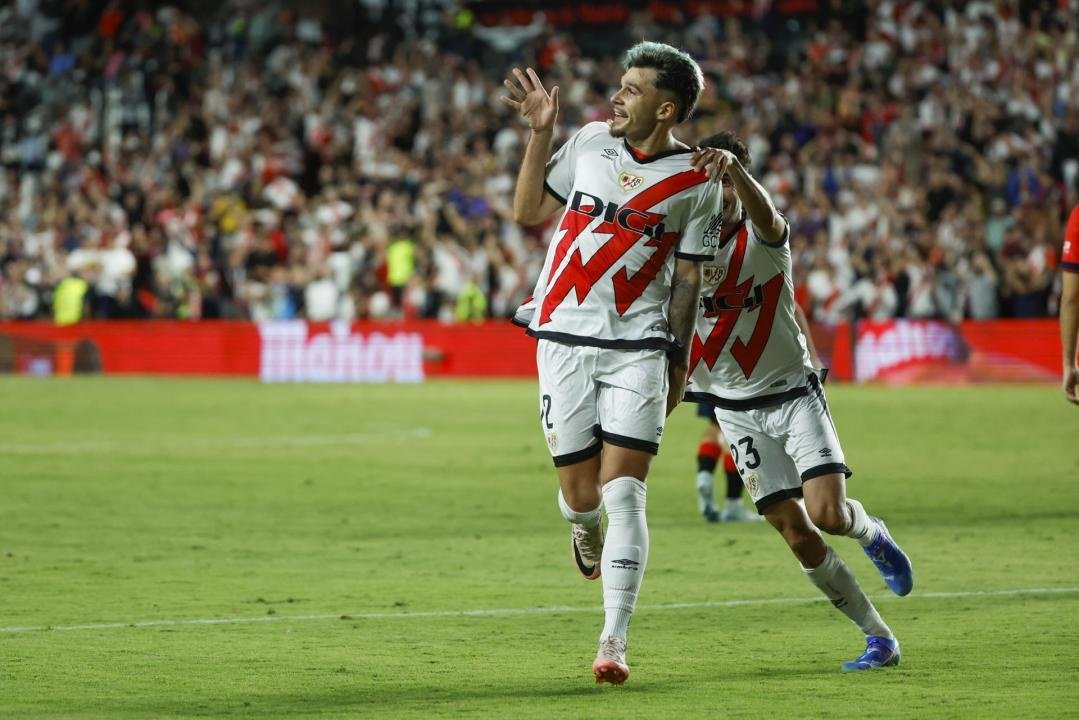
831,518
580,485
825,501
619,462
582,498
787,517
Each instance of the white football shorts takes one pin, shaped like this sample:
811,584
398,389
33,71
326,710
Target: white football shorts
778,448
590,394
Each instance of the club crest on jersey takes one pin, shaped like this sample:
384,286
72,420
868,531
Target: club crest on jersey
714,274
753,484
629,181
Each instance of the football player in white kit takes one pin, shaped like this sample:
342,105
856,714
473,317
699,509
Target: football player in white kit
750,361
614,306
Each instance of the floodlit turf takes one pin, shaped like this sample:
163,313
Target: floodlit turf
356,527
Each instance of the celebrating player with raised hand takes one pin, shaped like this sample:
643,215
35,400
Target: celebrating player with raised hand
614,306
750,361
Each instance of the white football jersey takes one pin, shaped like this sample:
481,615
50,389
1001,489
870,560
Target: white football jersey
747,347
606,281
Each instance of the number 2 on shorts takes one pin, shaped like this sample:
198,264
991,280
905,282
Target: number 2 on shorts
545,411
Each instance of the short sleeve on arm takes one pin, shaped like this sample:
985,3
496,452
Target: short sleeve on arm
781,242
1070,258
562,166
701,235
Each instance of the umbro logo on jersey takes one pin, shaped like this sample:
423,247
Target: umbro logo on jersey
610,153
625,564
629,181
825,452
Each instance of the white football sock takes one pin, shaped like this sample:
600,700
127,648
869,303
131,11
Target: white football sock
862,528
837,582
589,518
705,490
625,552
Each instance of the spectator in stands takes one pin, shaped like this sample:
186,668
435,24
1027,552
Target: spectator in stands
231,157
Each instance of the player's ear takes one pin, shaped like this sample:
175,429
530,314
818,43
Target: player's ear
666,111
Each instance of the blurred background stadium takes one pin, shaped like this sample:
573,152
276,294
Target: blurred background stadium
349,160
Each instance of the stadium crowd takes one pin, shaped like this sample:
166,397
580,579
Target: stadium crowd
259,163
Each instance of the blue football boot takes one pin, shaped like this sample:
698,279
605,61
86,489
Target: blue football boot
893,563
879,652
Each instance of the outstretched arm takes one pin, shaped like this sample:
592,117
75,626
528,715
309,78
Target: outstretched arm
531,204
771,227
682,318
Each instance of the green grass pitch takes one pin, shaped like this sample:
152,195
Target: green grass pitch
396,551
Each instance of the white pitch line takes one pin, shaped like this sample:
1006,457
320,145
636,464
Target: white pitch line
113,446
509,612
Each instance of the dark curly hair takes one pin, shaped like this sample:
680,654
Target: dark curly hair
676,72
730,142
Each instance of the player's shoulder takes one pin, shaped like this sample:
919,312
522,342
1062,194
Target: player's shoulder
1070,251
1072,230
593,132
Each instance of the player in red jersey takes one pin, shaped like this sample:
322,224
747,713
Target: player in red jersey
614,306
750,361
1069,306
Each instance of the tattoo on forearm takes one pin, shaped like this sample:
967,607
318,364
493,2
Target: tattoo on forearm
685,295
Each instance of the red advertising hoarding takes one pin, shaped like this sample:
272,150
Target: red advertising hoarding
286,351
929,351
897,351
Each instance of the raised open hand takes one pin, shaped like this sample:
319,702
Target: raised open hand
530,99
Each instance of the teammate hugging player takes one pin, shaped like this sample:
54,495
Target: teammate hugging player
614,306
749,360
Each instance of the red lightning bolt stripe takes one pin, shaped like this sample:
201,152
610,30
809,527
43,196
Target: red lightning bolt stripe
709,349
749,354
581,276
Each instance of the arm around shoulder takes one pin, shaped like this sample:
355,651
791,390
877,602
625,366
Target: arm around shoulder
769,224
